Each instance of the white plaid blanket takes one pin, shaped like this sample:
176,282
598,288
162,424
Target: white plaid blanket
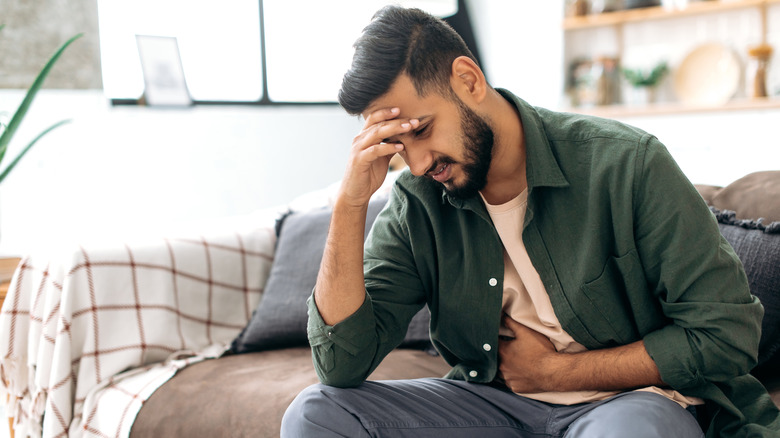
87,337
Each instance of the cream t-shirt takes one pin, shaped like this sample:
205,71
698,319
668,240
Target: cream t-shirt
526,301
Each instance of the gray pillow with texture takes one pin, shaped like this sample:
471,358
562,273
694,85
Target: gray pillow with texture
758,246
280,318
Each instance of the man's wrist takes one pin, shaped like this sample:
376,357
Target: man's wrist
554,366
347,204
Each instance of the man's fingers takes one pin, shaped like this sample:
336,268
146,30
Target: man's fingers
382,150
390,128
381,115
510,323
384,124
383,132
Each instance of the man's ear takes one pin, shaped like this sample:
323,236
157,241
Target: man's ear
467,79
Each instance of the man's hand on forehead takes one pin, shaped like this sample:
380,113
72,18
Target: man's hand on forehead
371,152
386,125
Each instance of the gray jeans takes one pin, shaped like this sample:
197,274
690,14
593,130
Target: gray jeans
449,408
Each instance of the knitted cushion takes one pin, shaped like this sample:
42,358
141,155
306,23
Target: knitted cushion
758,246
280,318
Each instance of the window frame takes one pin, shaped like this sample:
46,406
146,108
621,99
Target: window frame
460,21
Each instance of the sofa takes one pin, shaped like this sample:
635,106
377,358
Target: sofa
201,331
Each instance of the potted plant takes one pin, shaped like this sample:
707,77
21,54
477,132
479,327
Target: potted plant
646,82
7,131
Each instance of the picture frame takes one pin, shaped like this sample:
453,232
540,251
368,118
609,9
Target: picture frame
164,80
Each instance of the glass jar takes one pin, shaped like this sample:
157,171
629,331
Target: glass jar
756,73
602,6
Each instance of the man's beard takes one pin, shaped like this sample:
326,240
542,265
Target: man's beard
478,139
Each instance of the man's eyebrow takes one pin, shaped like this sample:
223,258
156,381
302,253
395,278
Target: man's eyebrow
422,119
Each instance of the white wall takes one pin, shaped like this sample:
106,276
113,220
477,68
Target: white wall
717,147
117,169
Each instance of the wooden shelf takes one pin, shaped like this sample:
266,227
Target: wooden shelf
7,268
665,108
658,13
618,19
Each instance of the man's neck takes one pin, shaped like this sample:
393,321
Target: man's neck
507,175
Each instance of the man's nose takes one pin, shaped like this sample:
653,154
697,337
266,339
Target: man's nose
419,161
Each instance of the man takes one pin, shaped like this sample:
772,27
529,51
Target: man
577,283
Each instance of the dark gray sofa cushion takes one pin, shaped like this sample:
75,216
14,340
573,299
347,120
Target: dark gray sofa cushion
280,318
758,246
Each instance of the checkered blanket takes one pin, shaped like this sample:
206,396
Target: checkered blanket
86,337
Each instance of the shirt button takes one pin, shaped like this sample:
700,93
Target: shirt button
330,334
493,282
473,373
486,347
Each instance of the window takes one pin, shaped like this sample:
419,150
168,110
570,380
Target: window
307,55
219,43
307,44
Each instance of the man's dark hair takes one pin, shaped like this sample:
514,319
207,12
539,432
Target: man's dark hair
400,40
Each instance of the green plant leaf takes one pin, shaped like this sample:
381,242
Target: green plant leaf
10,130
639,78
28,147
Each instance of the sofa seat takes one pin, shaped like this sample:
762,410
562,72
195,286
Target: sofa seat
259,387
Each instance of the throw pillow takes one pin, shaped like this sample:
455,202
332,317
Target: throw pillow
707,192
758,247
752,196
280,318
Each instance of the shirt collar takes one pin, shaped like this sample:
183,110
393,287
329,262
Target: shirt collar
542,168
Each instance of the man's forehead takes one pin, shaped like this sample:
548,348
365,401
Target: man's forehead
411,106
401,94
422,114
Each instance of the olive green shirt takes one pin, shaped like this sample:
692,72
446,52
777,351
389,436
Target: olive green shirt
625,246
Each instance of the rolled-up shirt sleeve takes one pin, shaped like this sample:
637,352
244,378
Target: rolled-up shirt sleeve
346,353
699,280
342,343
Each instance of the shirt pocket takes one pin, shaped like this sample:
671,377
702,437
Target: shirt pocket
607,304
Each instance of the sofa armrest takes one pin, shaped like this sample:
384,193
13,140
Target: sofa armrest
751,197
75,319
